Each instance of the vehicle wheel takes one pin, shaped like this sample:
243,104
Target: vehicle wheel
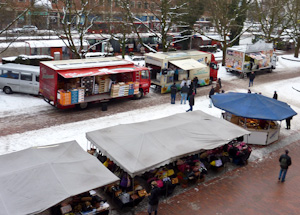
7,90
243,75
139,95
82,106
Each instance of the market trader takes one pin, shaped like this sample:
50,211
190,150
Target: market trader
153,198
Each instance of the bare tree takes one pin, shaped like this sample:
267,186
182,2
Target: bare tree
224,19
75,24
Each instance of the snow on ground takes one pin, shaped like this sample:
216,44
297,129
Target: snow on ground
10,105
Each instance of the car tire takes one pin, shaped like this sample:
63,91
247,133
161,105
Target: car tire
139,95
82,106
7,90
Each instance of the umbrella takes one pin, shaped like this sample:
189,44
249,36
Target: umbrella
254,106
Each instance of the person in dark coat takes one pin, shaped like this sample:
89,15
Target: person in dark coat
191,90
153,198
275,96
191,102
251,78
184,93
195,83
173,93
288,122
219,82
285,161
211,92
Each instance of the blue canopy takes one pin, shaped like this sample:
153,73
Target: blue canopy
253,106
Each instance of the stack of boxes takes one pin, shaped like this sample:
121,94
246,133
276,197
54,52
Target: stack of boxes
130,88
96,89
115,90
80,95
122,89
126,90
136,87
64,98
74,96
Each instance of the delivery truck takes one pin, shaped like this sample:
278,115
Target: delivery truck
69,83
256,57
172,67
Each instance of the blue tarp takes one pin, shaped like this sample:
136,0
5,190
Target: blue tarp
253,106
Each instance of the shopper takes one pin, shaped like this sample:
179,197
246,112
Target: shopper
217,88
288,122
195,83
191,90
285,161
275,96
182,83
191,102
211,92
153,198
219,82
251,78
184,93
173,93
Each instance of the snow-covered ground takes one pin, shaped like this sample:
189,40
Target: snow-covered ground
20,103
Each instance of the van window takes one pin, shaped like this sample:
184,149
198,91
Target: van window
26,76
10,74
144,74
37,78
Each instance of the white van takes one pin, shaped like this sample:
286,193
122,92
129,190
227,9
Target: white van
19,78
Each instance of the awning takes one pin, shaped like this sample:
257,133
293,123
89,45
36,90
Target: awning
141,147
253,106
188,64
95,71
37,178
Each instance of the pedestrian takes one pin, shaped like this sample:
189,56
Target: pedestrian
195,83
191,102
188,82
191,90
219,82
217,88
285,161
182,83
211,92
173,93
288,122
249,91
184,93
275,96
251,78
153,198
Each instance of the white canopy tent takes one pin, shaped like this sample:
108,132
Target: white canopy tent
34,179
140,147
188,64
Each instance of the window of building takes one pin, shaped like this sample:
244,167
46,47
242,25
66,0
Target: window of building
54,1
139,5
146,5
22,0
132,4
152,5
117,3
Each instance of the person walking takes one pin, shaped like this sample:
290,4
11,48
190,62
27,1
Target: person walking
191,90
275,96
153,198
195,83
211,92
191,102
288,122
285,161
219,82
251,78
173,93
184,93
217,88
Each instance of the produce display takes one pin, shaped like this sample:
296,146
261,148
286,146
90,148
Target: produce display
258,124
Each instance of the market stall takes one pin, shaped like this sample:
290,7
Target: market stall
145,147
37,178
256,113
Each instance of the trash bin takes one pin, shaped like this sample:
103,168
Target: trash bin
104,105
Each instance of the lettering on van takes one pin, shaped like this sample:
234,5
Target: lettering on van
45,75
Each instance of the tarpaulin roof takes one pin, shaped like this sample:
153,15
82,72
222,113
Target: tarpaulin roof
254,106
96,71
188,64
140,147
34,179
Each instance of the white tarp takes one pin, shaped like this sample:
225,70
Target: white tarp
140,147
188,64
34,179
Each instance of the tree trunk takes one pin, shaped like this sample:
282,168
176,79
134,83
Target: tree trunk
296,54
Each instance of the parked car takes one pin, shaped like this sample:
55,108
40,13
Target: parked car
25,29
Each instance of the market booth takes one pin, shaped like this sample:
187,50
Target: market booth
256,113
37,178
140,148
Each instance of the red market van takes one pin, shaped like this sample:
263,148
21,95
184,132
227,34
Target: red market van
69,83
